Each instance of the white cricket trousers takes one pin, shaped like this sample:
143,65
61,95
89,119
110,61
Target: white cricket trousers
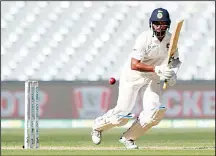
129,89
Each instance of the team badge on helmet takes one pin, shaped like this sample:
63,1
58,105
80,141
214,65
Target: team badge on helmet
159,15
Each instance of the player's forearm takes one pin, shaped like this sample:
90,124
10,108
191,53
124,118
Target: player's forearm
142,67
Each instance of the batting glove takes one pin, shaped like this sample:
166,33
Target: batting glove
164,71
172,80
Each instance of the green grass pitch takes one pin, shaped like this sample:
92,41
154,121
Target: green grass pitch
78,142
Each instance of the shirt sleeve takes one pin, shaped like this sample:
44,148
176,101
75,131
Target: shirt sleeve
139,48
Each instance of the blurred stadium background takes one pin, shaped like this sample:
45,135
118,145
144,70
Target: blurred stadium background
73,48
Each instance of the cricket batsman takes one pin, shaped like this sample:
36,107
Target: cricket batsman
146,66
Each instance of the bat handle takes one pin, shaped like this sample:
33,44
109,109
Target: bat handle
165,84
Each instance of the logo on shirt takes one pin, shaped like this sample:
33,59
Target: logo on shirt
151,47
167,45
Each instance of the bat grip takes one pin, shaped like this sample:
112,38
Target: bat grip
165,84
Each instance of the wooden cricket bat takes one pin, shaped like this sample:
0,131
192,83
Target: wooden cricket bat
173,45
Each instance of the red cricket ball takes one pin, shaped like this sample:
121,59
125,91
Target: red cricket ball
112,80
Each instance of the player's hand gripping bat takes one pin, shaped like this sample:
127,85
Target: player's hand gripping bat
173,45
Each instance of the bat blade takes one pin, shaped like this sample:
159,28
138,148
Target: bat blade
173,44
174,39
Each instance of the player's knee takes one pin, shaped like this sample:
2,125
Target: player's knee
154,117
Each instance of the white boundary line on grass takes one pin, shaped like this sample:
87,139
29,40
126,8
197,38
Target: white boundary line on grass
108,148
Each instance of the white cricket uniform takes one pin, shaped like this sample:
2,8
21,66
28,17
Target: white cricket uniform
150,51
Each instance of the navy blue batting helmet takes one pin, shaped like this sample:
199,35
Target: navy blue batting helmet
160,14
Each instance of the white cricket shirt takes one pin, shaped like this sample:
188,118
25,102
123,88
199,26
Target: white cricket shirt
150,51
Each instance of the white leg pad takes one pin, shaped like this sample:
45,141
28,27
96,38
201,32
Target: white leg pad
106,125
140,126
108,121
